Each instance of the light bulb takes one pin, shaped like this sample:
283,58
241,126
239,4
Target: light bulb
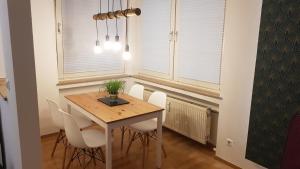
126,53
107,44
97,48
117,44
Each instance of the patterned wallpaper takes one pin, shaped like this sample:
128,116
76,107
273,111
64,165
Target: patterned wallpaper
276,91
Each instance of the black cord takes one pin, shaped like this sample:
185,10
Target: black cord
108,6
100,6
126,31
121,5
127,25
106,27
117,30
113,9
97,30
106,18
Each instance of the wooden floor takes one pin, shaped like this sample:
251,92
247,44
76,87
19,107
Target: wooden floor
182,152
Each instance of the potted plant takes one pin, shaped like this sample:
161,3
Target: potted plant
113,87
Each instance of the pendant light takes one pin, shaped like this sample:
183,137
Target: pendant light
107,44
117,45
97,47
126,53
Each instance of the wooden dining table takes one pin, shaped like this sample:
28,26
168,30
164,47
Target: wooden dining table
116,116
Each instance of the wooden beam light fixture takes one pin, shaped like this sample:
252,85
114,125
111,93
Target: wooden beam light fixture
118,14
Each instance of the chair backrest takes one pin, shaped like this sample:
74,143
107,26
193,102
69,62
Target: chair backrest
72,131
291,155
137,91
80,119
159,99
57,117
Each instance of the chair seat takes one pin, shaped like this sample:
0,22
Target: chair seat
93,138
145,126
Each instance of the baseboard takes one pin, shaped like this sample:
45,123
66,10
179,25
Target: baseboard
46,130
227,163
49,135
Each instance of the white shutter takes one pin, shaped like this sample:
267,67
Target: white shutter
199,47
79,36
154,41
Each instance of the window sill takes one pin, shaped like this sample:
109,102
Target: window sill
80,82
181,86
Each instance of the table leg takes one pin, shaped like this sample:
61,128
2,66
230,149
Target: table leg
159,140
69,109
108,151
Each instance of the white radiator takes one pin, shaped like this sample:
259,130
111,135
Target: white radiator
188,119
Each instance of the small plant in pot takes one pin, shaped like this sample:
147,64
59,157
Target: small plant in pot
113,87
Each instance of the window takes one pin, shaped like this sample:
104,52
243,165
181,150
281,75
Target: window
155,42
76,38
195,28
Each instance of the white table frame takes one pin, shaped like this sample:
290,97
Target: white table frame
124,122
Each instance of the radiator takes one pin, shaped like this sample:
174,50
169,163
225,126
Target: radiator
188,119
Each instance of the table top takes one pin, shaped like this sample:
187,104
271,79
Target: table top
89,102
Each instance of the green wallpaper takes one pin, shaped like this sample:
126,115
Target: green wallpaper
276,91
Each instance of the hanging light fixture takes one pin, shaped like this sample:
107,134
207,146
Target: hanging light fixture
107,44
117,45
126,53
97,47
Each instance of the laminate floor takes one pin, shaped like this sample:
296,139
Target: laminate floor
182,153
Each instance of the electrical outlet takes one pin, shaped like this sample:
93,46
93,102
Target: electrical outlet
229,142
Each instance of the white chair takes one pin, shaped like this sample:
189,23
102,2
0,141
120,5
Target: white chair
148,129
81,120
57,119
136,91
86,142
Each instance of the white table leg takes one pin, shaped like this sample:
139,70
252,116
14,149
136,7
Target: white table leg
159,140
108,154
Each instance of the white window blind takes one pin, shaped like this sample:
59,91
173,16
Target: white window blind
155,29
79,36
200,31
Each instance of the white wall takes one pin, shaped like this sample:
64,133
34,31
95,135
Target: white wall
20,113
43,23
2,68
240,45
242,22
8,110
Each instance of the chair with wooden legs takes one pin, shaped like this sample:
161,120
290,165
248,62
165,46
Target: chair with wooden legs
86,142
148,129
136,91
58,120
82,121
